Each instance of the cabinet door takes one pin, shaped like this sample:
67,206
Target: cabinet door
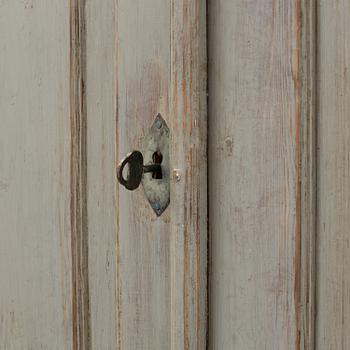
279,132
84,263
262,179
157,66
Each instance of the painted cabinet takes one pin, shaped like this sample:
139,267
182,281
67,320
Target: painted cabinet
253,249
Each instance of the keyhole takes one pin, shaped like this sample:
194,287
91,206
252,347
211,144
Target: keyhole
157,159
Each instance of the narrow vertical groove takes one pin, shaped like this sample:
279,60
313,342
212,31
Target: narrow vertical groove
315,94
78,159
308,175
117,234
298,117
207,51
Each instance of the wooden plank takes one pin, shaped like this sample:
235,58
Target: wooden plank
189,190
161,262
188,212
254,174
333,247
100,24
35,251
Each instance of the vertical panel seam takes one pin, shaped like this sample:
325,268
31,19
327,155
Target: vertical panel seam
117,233
308,207
78,180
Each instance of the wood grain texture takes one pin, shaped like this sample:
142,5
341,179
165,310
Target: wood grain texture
68,69
188,211
333,239
254,174
161,262
101,202
78,168
35,251
308,179
143,261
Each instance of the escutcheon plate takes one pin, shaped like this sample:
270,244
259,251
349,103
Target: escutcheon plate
157,191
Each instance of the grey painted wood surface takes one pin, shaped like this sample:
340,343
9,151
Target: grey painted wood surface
143,269
308,175
100,18
333,248
161,262
188,211
35,242
85,264
254,174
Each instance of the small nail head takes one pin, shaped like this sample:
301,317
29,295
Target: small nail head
177,175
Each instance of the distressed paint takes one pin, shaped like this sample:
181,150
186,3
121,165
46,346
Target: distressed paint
104,71
333,176
35,233
161,262
188,195
142,83
100,24
78,204
261,174
307,307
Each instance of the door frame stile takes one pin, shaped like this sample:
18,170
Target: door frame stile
188,156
